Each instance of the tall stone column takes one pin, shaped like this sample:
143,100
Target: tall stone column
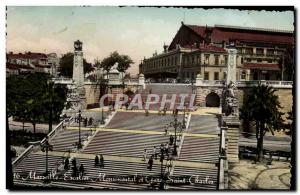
78,74
231,65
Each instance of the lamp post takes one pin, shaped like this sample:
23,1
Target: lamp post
79,132
183,120
175,124
163,152
102,118
45,147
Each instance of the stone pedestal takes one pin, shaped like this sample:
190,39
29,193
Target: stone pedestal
232,137
142,81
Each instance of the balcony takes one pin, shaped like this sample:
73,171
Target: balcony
221,83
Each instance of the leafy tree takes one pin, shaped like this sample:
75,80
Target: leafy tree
124,62
66,65
11,97
263,108
53,99
32,98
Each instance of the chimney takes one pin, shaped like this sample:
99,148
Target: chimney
165,48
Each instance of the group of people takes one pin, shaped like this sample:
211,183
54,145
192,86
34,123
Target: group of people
99,161
74,167
88,122
163,151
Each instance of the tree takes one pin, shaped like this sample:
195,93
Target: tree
124,62
54,99
263,108
66,65
32,98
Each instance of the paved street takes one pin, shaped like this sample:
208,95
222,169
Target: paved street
272,143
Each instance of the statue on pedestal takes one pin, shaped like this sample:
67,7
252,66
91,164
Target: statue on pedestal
230,100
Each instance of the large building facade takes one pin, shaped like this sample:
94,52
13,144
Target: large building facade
203,50
29,62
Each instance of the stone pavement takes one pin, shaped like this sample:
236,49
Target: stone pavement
126,159
248,176
199,111
141,132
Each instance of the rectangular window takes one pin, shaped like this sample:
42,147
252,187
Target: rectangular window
216,59
216,76
270,61
206,76
239,50
242,60
249,51
259,60
259,51
206,59
270,51
224,75
226,59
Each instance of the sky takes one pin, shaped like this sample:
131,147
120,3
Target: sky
133,31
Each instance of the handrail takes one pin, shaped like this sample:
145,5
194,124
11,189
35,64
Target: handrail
21,155
29,149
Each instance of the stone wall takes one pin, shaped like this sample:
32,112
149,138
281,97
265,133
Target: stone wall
202,92
92,93
284,94
285,97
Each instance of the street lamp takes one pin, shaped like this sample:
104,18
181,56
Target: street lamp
163,152
45,147
79,132
183,120
102,118
175,124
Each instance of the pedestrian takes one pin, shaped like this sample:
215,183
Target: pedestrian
101,161
85,122
176,112
165,110
96,161
74,162
145,154
171,140
154,152
66,164
150,163
90,121
167,150
81,170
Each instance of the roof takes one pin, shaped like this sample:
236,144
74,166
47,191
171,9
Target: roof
42,66
17,66
225,33
261,66
27,55
204,47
